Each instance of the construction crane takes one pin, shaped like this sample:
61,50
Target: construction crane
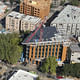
41,31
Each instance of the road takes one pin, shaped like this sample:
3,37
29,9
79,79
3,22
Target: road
48,22
28,67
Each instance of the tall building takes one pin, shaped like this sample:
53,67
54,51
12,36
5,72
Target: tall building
50,45
39,8
16,22
68,21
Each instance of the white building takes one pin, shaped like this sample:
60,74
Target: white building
23,75
68,21
16,21
75,53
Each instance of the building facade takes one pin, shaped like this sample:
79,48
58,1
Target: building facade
38,8
75,53
36,54
36,51
16,22
30,23
68,21
13,21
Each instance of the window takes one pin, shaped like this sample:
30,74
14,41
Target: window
68,15
78,58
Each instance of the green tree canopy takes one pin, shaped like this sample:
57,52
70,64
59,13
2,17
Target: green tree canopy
74,2
9,47
49,65
72,70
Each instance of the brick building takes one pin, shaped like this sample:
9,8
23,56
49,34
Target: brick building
39,8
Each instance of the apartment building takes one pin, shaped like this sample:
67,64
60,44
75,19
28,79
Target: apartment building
68,21
16,22
13,21
30,23
37,51
38,8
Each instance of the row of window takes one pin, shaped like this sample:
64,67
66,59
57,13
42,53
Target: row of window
46,53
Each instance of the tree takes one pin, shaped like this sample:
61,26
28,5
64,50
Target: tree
38,78
18,1
62,2
74,2
24,34
72,70
49,65
10,50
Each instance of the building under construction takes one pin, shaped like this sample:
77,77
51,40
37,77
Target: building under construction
38,8
38,49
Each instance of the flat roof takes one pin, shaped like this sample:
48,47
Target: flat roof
75,47
41,4
48,33
23,75
32,19
16,15
49,36
24,17
70,14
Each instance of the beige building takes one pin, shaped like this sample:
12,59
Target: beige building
16,22
38,8
29,23
13,21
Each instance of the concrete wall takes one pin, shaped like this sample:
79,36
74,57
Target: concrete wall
75,56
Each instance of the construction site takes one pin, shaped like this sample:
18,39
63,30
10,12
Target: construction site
38,8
